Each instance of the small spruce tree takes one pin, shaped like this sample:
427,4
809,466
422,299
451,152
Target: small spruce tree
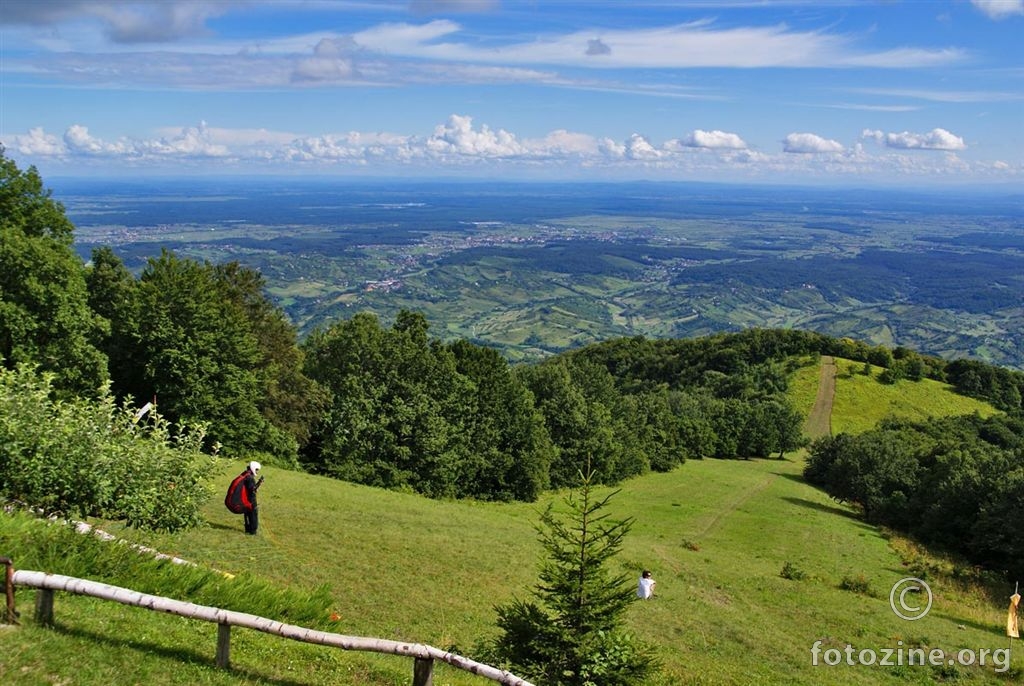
573,634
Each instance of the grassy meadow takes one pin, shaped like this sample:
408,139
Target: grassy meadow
716,535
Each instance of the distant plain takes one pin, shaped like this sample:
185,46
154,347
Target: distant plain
535,269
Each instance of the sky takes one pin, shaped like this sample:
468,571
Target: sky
914,93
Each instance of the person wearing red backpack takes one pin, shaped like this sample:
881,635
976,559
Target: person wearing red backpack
241,496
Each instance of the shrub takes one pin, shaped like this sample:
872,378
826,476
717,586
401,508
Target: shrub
791,571
856,584
85,458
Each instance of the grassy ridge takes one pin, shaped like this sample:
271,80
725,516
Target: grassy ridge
861,401
716,534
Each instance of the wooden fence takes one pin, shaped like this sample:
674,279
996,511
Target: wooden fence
424,656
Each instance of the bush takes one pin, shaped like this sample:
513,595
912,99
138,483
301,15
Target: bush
856,584
88,458
791,571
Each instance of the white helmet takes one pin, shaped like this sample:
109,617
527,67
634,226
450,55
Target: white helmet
254,466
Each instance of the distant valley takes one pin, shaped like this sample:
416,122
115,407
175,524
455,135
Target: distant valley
534,269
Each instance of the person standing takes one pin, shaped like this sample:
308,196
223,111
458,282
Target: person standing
250,485
645,589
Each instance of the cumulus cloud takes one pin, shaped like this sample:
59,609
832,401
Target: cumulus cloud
78,140
462,143
458,137
810,143
192,141
714,140
936,139
639,148
39,143
564,143
999,9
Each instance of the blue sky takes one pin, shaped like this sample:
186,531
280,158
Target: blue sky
915,93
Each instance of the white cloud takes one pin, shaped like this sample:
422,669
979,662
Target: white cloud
39,143
187,142
565,143
810,143
695,44
458,137
714,140
78,140
999,9
639,148
460,144
192,141
936,139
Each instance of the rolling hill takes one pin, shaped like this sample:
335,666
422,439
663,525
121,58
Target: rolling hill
716,534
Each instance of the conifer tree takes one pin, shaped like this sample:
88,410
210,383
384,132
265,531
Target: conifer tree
573,633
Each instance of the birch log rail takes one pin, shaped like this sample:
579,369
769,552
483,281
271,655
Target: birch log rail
424,655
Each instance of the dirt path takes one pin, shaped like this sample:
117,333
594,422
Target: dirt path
819,421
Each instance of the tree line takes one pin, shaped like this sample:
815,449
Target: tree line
956,482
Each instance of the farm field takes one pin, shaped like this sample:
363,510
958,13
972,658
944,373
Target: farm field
534,269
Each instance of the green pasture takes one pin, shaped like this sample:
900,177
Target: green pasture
861,401
717,536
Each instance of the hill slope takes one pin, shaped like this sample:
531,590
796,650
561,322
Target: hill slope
716,534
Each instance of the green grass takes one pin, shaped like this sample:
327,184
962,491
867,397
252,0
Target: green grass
716,534
861,401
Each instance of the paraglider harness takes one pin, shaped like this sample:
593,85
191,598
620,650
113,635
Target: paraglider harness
237,498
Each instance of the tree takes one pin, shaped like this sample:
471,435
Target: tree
200,353
400,406
290,401
114,296
573,634
509,449
580,426
45,319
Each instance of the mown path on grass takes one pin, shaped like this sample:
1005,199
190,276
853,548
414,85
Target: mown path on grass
819,420
817,424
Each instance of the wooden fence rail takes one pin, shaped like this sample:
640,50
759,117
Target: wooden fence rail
424,655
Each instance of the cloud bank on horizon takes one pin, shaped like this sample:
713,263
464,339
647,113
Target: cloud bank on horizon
784,91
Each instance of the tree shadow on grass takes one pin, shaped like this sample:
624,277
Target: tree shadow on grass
184,655
821,507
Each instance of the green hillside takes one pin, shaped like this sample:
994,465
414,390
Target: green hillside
715,533
861,401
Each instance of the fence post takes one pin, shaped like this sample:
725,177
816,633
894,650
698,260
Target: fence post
11,616
223,645
423,672
44,606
